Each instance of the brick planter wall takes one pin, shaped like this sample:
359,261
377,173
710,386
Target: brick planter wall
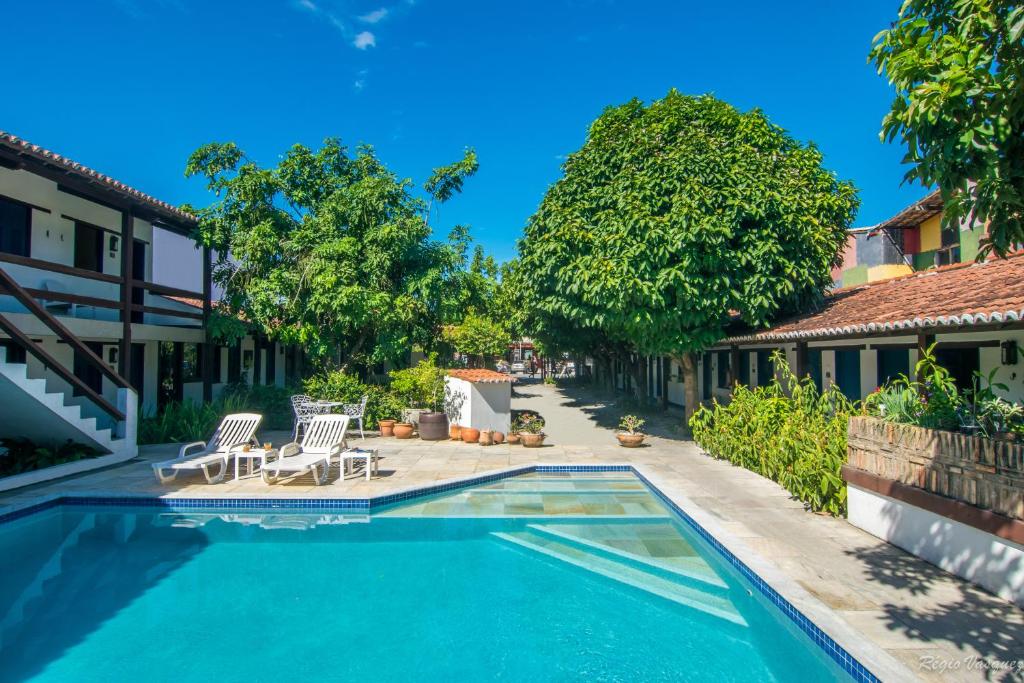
981,472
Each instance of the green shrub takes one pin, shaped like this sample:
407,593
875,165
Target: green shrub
933,402
195,421
421,386
788,432
340,386
23,455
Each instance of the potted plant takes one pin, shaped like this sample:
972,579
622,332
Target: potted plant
403,430
486,437
387,427
513,437
629,435
421,389
531,430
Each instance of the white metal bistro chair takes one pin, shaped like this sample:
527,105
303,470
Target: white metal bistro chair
305,409
323,439
234,432
357,411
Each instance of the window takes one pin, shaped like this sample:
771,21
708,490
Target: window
744,377
15,228
88,247
950,251
765,373
191,363
961,363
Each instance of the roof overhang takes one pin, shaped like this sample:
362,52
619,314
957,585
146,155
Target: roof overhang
75,178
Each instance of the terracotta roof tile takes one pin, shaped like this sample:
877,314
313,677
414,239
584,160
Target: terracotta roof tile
21,146
961,295
486,376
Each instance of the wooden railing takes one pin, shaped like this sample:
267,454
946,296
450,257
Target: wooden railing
9,286
66,297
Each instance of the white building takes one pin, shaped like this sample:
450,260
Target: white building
90,341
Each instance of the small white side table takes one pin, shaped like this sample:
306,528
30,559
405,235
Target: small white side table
370,455
254,456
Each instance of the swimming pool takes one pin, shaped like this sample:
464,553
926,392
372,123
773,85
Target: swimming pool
548,575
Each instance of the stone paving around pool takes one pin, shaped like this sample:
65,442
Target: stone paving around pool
937,626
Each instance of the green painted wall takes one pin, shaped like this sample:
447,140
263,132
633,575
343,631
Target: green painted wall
924,260
969,240
857,275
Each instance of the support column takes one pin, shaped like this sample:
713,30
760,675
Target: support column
666,367
734,367
127,284
207,348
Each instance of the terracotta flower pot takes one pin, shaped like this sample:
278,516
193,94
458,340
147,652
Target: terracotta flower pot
630,440
513,438
387,427
470,435
486,437
532,440
499,437
403,430
455,432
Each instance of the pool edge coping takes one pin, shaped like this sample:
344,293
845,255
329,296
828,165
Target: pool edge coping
852,651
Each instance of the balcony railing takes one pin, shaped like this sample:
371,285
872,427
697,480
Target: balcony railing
100,302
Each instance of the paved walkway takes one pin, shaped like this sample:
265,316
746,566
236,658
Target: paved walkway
923,617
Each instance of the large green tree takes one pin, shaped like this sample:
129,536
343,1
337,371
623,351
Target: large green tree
330,250
675,217
958,70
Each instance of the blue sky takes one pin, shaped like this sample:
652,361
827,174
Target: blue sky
131,87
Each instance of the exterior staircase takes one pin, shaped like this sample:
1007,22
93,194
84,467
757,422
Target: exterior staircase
47,417
33,411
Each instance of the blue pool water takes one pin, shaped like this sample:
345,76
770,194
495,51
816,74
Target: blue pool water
539,577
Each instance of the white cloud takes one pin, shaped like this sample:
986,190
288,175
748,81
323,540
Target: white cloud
374,16
360,81
307,5
365,40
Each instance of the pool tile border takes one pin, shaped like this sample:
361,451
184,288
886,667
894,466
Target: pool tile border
826,643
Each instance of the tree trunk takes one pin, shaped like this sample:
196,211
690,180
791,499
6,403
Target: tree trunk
692,389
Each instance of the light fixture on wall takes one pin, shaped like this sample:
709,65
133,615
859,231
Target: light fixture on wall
112,355
114,242
1008,352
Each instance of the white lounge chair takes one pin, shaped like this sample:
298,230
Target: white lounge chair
234,432
323,439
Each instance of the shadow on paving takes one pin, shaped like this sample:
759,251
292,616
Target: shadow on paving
607,410
974,616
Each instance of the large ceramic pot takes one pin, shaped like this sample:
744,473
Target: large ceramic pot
455,432
532,440
433,426
499,437
387,427
470,435
486,437
403,430
630,440
513,438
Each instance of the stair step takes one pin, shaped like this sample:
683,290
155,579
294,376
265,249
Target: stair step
714,605
692,570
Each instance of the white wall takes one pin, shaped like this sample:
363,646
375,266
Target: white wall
990,561
480,405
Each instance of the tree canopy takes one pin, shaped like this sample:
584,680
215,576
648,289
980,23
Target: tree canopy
676,215
329,250
957,67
